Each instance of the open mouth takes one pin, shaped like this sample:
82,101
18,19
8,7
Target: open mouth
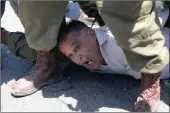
88,62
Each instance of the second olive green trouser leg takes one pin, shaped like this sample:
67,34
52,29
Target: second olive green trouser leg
137,30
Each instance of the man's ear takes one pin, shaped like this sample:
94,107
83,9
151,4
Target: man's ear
91,32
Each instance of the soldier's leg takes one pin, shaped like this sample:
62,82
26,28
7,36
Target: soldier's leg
137,30
42,21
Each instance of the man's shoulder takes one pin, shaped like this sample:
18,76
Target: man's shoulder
103,28
104,31
104,35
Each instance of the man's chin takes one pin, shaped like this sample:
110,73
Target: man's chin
91,68
94,67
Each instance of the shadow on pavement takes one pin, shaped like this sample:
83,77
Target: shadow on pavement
93,90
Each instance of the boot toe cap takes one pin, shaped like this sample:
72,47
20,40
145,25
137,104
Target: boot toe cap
22,87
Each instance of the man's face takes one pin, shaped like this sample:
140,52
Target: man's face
82,49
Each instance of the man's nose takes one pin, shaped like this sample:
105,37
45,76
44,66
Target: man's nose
77,58
80,59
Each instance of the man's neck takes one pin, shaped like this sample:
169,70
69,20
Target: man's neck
102,59
103,62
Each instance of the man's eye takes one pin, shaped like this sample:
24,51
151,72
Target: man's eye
70,55
77,48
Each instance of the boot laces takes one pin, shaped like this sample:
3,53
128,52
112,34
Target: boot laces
148,87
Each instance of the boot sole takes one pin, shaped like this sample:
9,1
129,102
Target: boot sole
16,93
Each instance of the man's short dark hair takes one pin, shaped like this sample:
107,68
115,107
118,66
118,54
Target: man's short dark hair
73,26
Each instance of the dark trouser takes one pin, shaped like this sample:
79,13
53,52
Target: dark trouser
17,44
90,8
2,7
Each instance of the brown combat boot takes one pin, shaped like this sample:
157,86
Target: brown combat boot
149,98
46,67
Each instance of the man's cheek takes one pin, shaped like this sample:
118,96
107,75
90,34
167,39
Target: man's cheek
75,61
84,51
